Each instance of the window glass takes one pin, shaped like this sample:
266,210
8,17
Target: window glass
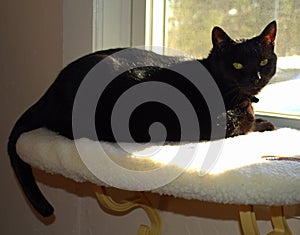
188,25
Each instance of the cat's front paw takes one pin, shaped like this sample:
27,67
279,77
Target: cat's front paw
262,125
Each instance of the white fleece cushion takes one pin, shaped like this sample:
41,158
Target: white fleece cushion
238,176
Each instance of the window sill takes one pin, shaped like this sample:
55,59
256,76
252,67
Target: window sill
280,120
280,104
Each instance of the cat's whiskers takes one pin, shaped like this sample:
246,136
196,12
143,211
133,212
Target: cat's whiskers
259,75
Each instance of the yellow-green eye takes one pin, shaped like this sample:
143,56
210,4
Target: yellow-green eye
263,62
237,65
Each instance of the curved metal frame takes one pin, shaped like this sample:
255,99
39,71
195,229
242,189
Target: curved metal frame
247,214
127,206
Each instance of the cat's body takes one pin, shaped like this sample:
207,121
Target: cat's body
240,69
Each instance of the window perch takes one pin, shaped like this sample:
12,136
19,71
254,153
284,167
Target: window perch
239,176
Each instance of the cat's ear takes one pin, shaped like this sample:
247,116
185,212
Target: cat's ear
268,34
220,38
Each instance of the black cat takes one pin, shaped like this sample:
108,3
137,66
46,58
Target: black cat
239,68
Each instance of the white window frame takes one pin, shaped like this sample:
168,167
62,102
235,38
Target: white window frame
118,23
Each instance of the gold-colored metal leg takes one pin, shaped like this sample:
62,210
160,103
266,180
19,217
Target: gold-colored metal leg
127,206
249,225
248,220
280,226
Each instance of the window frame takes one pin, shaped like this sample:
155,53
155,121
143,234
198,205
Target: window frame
126,27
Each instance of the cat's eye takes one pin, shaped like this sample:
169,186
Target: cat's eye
237,65
263,62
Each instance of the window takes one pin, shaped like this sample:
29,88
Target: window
186,25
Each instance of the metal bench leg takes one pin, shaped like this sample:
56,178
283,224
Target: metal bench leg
249,225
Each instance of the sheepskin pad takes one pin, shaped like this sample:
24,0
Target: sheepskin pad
230,171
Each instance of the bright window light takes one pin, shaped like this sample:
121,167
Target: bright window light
186,25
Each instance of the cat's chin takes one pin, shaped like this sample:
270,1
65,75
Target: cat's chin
249,94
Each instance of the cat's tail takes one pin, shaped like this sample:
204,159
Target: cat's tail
23,170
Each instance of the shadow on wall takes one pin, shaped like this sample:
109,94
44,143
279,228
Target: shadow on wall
163,203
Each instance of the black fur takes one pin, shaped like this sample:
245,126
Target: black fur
238,88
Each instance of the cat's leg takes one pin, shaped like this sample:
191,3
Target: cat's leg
262,125
240,119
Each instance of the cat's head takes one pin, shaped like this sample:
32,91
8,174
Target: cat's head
243,67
